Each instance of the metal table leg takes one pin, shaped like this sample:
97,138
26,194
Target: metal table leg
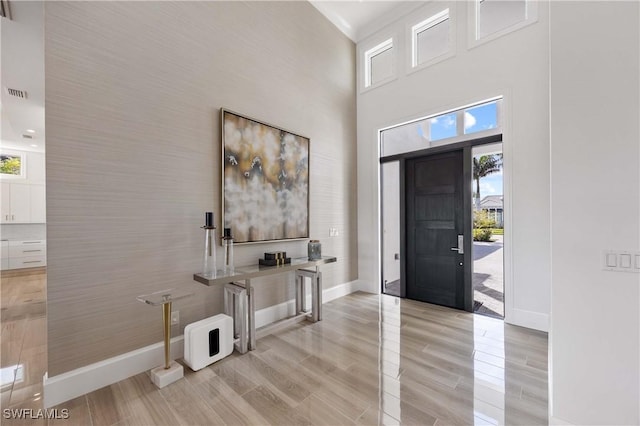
252,315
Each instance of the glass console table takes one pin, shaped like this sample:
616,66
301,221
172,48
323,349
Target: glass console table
242,276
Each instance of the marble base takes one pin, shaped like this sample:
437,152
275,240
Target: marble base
162,377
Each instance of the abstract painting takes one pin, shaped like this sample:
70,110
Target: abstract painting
265,177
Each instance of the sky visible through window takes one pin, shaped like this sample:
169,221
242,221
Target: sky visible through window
490,185
477,119
443,126
480,118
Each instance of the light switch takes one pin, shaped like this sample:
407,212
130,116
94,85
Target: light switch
611,260
625,260
638,261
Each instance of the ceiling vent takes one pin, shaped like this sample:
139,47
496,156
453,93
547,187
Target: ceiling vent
17,93
5,12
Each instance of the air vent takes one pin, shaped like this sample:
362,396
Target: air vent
5,12
17,93
27,136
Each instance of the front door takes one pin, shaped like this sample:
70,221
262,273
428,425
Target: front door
434,223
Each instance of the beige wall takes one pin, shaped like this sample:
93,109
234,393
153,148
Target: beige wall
133,92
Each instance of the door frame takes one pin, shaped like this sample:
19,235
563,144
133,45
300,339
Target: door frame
466,148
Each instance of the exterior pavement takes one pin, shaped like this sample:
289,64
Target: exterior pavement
488,283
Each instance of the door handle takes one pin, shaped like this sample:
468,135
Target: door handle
460,248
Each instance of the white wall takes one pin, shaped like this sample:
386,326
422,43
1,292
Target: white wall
515,66
595,187
391,221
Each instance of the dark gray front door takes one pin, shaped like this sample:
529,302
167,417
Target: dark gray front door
434,220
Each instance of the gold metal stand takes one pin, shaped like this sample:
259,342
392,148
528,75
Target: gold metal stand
170,371
166,319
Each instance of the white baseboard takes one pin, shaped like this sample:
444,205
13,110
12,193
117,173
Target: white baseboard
528,319
75,383
286,309
558,422
340,290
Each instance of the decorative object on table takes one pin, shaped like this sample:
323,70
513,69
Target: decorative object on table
209,262
227,245
207,341
171,370
275,258
314,248
265,180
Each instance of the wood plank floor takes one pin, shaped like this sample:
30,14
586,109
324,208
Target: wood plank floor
372,360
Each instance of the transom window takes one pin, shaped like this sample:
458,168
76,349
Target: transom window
378,63
430,38
481,119
494,18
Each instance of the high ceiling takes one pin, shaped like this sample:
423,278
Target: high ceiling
22,58
358,19
22,63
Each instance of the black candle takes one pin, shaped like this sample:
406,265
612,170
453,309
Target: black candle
227,233
208,219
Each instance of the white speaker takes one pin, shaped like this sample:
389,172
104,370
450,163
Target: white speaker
207,341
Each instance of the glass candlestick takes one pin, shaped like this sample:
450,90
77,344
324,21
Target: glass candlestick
227,244
209,262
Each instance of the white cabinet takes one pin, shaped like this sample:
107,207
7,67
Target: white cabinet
24,254
22,203
4,254
37,204
35,167
5,202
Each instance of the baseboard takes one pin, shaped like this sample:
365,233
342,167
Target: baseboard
528,319
286,309
78,382
340,290
558,422
75,383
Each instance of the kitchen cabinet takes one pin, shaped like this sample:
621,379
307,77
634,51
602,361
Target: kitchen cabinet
24,254
22,203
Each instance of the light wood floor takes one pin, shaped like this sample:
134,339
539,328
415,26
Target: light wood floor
372,360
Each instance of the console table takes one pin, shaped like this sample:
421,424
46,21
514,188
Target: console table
242,276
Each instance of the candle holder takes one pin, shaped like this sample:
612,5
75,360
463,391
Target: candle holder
227,244
209,266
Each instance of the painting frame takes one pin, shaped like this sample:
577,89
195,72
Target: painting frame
265,180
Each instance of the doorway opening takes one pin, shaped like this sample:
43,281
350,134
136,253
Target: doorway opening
428,206
488,230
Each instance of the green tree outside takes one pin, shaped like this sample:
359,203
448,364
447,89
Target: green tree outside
10,165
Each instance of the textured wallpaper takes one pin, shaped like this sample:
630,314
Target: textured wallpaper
133,98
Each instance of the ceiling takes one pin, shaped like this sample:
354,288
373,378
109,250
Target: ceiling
359,19
22,65
22,62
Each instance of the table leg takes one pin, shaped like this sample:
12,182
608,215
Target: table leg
166,320
319,297
252,315
299,292
240,320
